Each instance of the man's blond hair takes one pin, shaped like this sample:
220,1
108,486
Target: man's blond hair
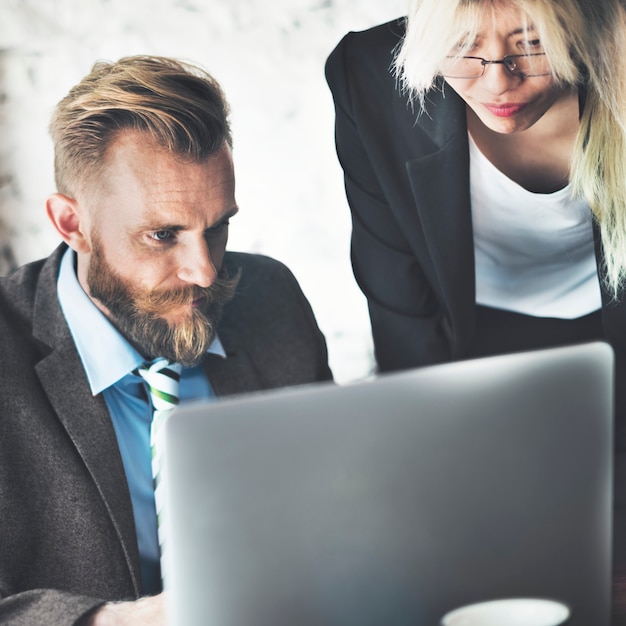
179,105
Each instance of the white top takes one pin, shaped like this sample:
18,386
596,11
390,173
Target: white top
534,252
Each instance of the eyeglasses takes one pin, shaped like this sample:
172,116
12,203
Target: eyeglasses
522,65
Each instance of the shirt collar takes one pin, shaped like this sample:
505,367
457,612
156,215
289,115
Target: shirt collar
106,355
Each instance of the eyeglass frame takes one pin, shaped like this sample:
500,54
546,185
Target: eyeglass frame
503,61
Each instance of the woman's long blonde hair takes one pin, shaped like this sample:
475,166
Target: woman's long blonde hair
585,41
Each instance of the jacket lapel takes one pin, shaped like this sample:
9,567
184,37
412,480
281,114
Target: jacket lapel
84,417
439,178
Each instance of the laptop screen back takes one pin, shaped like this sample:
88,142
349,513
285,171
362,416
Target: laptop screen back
395,500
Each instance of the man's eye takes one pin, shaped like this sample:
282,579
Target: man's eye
162,235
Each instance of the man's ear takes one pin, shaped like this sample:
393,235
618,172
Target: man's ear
68,219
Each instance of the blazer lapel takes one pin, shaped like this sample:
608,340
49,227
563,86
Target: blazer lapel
439,178
84,417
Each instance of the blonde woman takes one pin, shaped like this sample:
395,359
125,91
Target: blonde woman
482,143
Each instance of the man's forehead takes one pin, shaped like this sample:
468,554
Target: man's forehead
136,157
153,186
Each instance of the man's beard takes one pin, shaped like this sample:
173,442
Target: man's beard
138,314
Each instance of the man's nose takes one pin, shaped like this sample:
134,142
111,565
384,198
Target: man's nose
196,265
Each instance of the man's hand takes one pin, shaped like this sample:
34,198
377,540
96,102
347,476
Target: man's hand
144,612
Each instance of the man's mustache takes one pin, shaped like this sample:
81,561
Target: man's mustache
218,293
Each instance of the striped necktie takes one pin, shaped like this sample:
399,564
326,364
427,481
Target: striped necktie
162,378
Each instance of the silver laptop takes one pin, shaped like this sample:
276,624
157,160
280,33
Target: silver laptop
392,501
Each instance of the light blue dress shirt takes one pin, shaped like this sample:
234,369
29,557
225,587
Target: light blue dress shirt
109,361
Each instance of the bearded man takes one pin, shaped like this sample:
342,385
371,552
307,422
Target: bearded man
145,193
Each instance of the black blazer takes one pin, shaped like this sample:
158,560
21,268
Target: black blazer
67,535
407,183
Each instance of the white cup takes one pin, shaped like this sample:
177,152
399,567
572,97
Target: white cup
509,612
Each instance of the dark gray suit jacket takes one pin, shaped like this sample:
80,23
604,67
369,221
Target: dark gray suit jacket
67,535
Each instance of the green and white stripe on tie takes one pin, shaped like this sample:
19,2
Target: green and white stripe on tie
162,378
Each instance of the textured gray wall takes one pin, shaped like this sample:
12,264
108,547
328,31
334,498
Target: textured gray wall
269,57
